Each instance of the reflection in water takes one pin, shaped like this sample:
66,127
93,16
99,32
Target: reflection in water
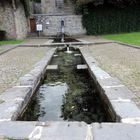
68,94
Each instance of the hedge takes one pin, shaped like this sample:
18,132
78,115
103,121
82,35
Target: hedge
107,20
2,35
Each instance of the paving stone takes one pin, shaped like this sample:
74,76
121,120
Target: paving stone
81,67
116,131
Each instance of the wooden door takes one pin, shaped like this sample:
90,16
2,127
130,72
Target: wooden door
33,25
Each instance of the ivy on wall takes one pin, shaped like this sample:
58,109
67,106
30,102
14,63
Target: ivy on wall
26,6
110,20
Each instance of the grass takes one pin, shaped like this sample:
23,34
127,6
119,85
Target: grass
10,42
128,38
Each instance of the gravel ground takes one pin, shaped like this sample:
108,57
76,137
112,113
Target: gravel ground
120,61
16,63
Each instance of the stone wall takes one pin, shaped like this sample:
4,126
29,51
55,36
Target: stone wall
21,22
73,24
12,21
7,20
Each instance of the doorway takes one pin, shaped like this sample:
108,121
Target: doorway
33,25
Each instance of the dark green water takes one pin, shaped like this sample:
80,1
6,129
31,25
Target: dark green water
67,94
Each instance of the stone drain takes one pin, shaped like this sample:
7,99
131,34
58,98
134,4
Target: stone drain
116,97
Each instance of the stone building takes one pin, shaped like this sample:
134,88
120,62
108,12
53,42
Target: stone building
53,13
13,20
57,7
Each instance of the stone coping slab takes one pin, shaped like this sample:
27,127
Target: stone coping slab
116,131
44,130
125,108
116,96
13,101
69,131
114,89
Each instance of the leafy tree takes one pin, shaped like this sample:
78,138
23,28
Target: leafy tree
99,2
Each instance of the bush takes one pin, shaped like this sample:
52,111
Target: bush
2,35
108,20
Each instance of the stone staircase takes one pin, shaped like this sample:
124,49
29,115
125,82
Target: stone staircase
60,4
69,7
66,8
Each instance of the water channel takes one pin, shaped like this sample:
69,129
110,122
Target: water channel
67,94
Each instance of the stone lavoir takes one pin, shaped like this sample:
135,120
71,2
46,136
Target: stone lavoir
104,104
79,89
67,93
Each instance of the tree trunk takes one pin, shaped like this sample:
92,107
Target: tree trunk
14,4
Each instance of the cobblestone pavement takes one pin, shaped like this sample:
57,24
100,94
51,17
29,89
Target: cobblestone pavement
16,63
35,41
6,47
120,61
94,39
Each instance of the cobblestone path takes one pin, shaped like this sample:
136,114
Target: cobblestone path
16,63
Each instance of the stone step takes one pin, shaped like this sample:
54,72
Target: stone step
77,55
82,67
60,3
52,67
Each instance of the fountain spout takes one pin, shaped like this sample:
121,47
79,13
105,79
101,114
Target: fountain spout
68,50
62,31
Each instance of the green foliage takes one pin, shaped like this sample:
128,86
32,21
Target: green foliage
38,1
26,7
101,2
108,20
2,35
